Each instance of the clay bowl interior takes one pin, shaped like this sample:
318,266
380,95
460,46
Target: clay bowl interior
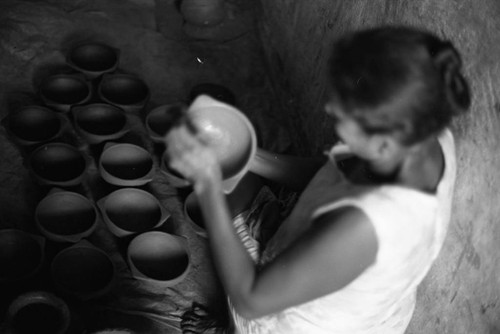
34,124
21,255
123,90
94,57
82,270
193,212
101,121
127,162
38,312
66,216
58,163
65,90
218,92
132,210
230,133
159,120
159,256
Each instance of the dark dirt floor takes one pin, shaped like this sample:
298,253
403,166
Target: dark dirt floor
171,57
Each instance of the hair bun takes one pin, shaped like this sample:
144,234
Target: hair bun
449,63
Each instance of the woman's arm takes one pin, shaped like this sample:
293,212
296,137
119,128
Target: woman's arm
291,171
337,248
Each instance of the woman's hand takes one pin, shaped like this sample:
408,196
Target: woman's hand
190,155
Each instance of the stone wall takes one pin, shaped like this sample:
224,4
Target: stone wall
461,293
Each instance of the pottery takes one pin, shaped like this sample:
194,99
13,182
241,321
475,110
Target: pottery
124,91
128,211
216,91
126,165
203,12
159,120
63,91
65,216
21,255
93,59
229,132
82,271
159,258
34,125
194,216
100,122
58,164
38,312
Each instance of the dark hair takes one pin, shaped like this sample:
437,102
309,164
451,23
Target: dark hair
398,80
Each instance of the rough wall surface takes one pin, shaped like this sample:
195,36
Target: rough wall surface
461,293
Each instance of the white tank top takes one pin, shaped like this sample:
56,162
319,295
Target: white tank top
410,226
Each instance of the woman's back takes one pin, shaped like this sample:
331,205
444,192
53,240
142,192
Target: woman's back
410,226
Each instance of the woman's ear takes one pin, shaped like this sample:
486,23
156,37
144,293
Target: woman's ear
386,146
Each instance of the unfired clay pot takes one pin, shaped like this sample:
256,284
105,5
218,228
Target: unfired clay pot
66,216
126,165
38,312
83,271
93,59
58,164
33,125
99,122
203,12
129,210
230,133
159,257
159,120
125,91
63,91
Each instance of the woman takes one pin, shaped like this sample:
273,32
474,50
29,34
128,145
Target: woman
349,257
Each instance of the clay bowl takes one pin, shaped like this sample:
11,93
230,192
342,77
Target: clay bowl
58,164
83,271
194,216
230,133
99,122
38,312
126,165
216,91
93,59
175,179
159,257
34,125
159,120
63,91
65,216
125,91
21,255
128,211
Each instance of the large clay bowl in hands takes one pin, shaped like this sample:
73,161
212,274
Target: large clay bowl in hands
229,132
58,164
21,255
83,271
63,91
93,59
38,312
126,165
34,125
65,216
127,211
125,91
99,122
159,257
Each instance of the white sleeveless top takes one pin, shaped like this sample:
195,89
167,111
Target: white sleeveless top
410,226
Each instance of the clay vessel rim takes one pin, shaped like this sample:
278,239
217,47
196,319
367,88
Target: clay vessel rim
74,77
115,229
75,237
